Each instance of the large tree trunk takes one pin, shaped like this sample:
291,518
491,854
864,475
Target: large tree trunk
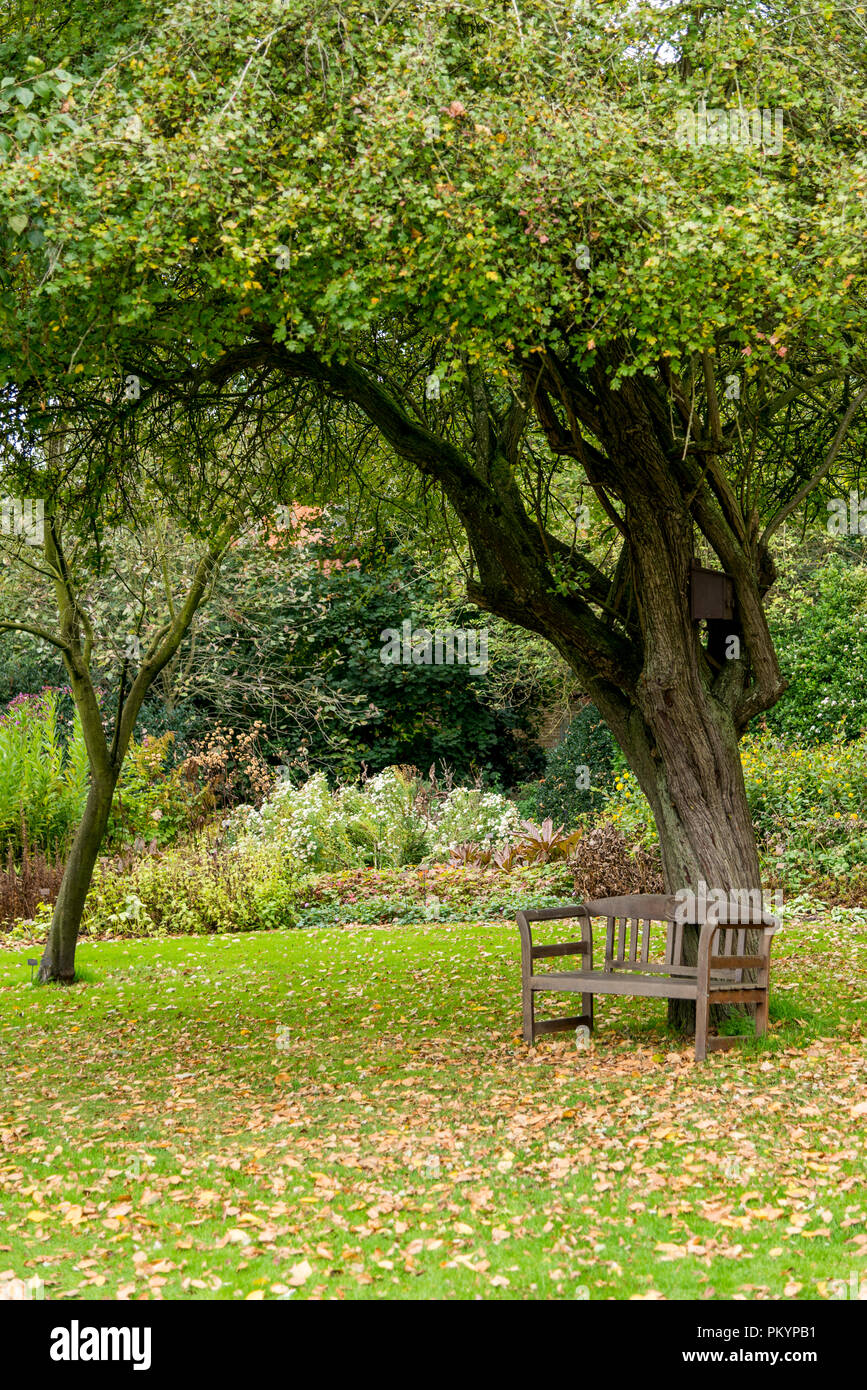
692,777
58,959
680,730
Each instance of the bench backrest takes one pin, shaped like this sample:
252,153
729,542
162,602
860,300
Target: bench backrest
628,931
628,922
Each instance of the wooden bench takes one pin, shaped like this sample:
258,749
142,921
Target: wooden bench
719,977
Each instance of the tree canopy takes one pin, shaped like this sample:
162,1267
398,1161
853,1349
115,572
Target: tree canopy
220,170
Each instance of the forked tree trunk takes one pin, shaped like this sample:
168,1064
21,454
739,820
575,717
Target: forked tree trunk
693,780
679,728
58,958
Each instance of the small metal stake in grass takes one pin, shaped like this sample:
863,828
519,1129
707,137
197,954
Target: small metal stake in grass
32,964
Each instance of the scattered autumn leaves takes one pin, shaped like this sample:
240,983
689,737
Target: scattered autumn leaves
351,1114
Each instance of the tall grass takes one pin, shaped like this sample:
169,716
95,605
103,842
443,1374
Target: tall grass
43,775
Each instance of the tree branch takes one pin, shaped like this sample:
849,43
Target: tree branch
817,477
35,631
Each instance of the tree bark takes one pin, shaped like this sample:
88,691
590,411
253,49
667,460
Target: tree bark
682,732
58,958
690,771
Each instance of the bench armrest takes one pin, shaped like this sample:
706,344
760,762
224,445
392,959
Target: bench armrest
529,952
746,961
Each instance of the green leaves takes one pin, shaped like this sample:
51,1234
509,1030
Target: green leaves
450,178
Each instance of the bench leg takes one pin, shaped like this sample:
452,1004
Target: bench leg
529,1015
761,1016
702,1021
587,1008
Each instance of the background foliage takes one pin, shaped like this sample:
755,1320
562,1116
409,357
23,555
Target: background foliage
818,619
588,744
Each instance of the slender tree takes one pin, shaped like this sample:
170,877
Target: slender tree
120,523
66,567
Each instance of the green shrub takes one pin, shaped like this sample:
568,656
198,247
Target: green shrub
469,813
820,633
392,819
439,893
293,637
382,818
152,801
44,777
626,808
561,793
808,804
249,886
304,822
25,666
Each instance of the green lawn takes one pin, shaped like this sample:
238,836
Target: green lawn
402,1141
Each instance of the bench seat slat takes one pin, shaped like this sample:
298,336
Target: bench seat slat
657,967
659,986
652,967
597,982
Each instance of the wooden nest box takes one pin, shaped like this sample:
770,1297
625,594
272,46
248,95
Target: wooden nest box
712,594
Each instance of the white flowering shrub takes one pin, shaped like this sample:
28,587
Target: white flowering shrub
352,827
384,823
472,814
382,820
304,821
